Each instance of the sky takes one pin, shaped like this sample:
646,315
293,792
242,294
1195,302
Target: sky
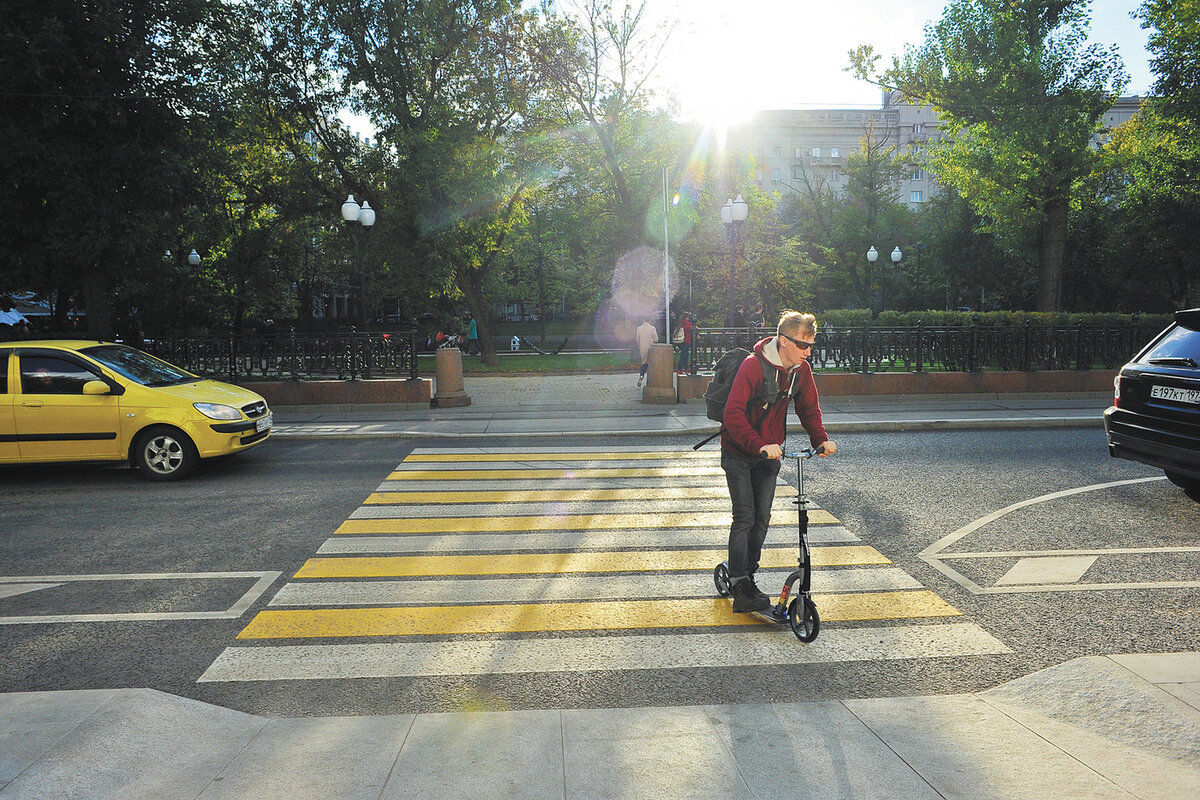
726,59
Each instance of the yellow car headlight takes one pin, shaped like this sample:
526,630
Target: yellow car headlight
217,411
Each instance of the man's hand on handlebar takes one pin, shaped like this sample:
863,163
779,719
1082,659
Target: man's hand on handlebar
771,451
829,448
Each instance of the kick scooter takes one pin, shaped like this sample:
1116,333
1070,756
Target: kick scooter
797,608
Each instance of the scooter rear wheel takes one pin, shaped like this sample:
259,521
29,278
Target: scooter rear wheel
806,623
721,579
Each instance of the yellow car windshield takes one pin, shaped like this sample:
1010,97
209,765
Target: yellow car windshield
140,367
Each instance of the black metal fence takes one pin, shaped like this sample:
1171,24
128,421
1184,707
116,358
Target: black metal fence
293,356
968,348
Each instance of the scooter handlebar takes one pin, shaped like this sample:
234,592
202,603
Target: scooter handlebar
807,452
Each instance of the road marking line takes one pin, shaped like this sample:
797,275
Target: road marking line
582,616
590,654
642,494
417,544
550,563
546,474
560,455
570,587
567,522
555,509
934,556
1056,569
265,579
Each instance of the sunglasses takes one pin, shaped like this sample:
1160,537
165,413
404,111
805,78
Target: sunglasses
797,342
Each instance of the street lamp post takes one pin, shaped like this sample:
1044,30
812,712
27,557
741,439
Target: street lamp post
361,218
872,257
733,214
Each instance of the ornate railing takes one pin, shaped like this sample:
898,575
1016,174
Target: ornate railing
293,356
968,348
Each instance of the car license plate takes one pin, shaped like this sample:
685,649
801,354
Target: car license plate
262,424
1190,396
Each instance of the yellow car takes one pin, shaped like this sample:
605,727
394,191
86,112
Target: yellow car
99,401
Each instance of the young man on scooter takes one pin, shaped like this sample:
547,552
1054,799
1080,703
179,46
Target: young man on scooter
752,442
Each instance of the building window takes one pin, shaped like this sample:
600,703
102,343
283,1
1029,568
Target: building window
777,151
834,153
799,152
916,197
778,175
918,127
918,174
816,152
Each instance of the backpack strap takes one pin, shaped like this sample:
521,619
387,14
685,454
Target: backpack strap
769,380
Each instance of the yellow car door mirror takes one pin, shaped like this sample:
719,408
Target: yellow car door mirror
96,387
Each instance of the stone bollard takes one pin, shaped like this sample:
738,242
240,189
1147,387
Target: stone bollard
660,383
450,392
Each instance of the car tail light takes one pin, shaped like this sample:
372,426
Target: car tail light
1117,391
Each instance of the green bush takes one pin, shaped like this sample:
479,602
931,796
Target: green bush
994,319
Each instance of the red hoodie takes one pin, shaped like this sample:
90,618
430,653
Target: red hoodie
745,430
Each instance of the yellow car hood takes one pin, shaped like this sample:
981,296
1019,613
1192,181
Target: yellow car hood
210,391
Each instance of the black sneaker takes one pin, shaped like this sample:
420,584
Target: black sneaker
756,591
746,598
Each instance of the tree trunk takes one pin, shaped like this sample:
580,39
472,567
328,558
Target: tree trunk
1050,262
473,294
99,304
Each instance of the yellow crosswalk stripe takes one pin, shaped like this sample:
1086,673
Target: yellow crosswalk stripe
590,616
550,474
553,563
649,493
570,522
465,458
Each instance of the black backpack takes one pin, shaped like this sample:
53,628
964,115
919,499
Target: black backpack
724,372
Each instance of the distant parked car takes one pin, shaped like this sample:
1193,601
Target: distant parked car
1155,416
101,401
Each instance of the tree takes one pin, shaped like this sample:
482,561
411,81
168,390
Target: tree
1175,42
98,94
1021,96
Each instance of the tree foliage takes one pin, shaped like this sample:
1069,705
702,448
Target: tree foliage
1020,94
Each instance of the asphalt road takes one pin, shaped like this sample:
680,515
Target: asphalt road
271,509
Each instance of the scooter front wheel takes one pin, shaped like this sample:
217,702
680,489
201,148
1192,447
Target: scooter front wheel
806,623
721,579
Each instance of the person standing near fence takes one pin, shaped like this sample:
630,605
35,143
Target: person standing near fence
685,343
645,336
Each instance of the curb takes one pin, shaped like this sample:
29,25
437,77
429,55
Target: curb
895,426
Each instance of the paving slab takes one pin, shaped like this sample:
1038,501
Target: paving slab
655,753
32,723
480,754
335,758
1100,695
813,751
967,749
140,745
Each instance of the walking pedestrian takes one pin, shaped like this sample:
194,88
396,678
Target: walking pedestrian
645,336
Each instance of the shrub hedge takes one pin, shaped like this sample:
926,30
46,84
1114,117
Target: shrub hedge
857,317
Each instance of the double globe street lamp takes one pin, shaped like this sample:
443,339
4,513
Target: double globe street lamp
733,214
361,218
873,256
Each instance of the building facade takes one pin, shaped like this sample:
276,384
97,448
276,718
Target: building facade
795,150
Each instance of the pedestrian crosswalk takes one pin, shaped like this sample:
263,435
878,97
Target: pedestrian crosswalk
471,561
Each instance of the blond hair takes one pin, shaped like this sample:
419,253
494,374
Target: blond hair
792,321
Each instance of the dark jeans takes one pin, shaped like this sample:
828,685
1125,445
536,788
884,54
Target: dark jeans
685,362
752,490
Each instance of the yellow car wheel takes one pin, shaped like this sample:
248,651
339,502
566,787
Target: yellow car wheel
164,454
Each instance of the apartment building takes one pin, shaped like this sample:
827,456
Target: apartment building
796,148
